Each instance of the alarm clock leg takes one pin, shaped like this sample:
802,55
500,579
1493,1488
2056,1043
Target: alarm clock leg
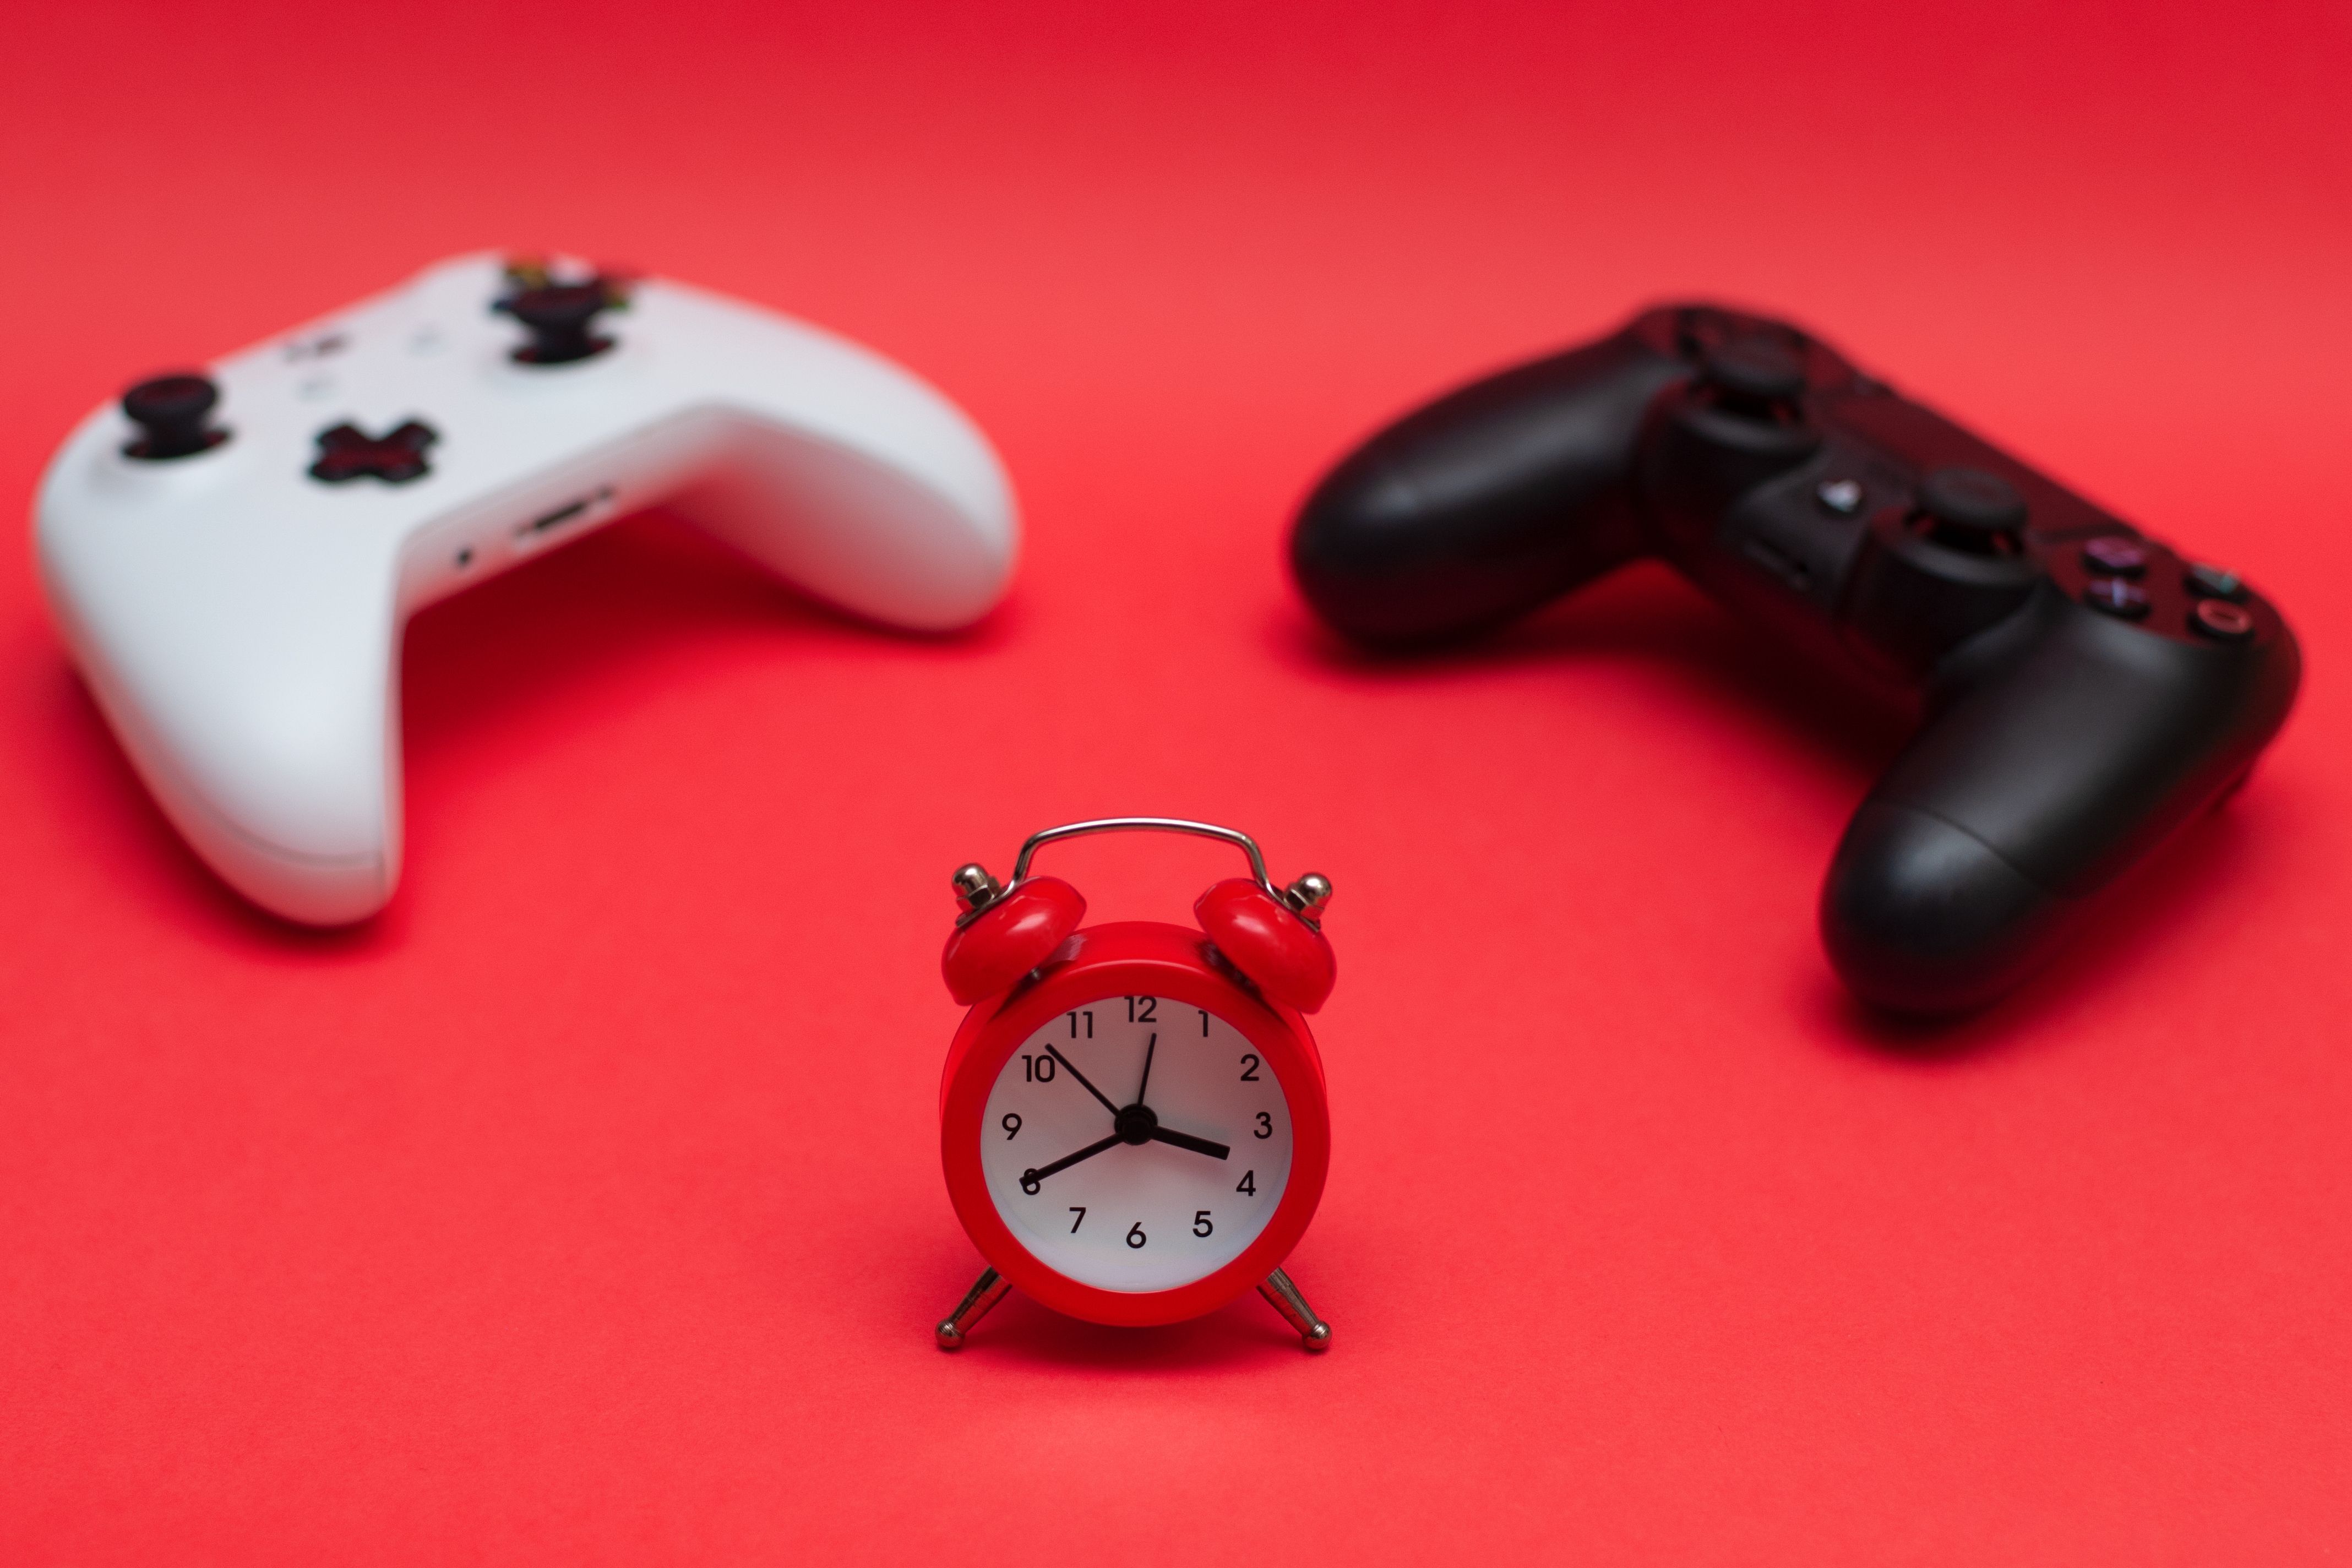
986,1293
1313,1331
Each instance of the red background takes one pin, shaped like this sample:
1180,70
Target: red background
585,1206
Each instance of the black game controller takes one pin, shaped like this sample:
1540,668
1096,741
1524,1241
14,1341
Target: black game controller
2085,691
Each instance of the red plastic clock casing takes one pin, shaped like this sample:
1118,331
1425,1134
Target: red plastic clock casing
1009,938
1289,960
1132,958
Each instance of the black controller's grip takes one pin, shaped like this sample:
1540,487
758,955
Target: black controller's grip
2058,754
1485,503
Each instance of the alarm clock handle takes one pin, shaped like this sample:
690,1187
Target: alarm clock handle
1284,1296
1235,836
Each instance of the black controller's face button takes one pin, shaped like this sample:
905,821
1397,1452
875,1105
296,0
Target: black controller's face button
2222,619
2115,557
174,413
1970,510
1758,376
2213,582
2117,596
346,453
561,318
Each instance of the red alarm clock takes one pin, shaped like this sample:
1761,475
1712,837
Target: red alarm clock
1132,1118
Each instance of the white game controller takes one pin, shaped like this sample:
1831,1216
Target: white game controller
233,556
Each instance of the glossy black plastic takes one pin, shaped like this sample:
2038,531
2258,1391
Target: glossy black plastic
2078,708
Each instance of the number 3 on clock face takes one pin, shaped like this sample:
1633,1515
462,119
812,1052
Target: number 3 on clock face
1136,1143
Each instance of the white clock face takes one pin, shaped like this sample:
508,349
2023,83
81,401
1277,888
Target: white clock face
1130,1182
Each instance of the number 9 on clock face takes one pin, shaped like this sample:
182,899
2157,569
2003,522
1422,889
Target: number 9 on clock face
1136,1143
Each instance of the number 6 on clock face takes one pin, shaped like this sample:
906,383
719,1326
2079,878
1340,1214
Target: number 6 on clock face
1143,1211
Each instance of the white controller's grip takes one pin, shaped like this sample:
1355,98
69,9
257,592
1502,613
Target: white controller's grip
239,619
256,700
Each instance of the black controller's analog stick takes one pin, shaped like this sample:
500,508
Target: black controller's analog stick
174,413
1756,374
1972,510
561,318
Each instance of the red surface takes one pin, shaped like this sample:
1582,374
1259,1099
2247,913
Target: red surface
586,1209
1131,958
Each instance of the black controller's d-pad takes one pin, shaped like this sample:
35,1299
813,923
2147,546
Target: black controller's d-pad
346,453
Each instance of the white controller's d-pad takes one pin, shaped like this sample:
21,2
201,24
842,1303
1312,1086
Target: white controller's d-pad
346,453
232,553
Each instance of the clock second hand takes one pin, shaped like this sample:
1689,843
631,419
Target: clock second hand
1150,1046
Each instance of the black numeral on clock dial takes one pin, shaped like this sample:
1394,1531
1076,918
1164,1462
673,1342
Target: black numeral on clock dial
1079,1210
1143,1009
1135,1236
1248,1183
1249,1068
1201,1226
1264,1125
1011,1126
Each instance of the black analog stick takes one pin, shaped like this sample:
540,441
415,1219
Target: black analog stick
1969,510
1755,373
560,318
174,413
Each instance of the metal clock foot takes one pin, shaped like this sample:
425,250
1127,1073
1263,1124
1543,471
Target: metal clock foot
1284,1296
986,1292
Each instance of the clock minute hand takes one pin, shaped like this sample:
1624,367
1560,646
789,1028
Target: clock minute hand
1186,1140
1039,1173
1075,1073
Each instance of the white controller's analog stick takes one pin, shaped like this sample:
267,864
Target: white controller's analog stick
560,318
174,413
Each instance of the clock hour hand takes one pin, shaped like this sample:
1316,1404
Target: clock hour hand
1075,1073
1186,1140
1030,1178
